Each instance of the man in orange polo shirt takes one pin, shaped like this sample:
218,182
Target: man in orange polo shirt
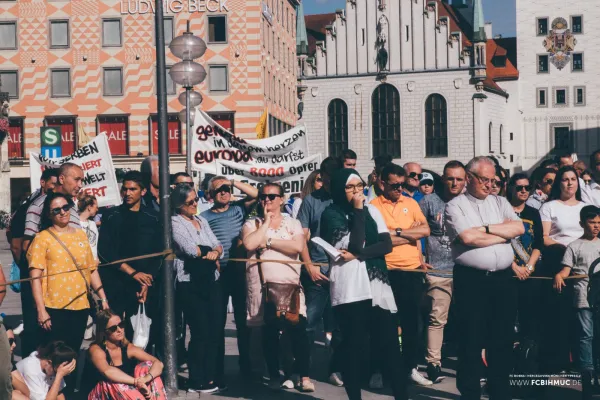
407,225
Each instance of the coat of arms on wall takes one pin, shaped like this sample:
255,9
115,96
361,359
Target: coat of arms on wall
560,43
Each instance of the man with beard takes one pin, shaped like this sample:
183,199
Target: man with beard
132,230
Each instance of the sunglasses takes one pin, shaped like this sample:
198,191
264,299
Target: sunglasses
496,183
57,210
113,329
395,186
192,202
223,189
549,181
320,180
427,183
587,181
352,188
270,196
520,188
414,175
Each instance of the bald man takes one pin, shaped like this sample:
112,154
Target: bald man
414,174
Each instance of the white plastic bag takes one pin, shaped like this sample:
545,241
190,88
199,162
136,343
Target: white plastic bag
141,327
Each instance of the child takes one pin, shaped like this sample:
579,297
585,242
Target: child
579,255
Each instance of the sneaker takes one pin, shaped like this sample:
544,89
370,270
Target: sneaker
287,384
306,386
434,373
376,381
336,379
419,379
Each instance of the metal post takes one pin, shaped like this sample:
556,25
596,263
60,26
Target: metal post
188,157
168,295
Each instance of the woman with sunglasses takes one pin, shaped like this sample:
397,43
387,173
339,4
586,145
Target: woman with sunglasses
41,375
542,180
361,296
560,220
122,370
63,267
312,184
198,295
278,238
527,248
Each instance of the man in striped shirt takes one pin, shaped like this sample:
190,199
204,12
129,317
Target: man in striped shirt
226,219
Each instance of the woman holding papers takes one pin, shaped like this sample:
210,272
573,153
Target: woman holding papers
361,296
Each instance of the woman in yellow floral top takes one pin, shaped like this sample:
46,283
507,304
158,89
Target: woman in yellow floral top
61,300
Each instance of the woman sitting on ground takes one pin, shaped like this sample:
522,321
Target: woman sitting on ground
124,371
41,375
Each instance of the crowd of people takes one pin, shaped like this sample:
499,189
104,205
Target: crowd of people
377,268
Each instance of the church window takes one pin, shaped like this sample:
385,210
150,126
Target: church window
436,126
501,139
386,121
490,146
337,117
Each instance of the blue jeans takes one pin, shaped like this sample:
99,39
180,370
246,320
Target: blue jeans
585,331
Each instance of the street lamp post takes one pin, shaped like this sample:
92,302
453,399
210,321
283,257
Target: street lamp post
188,73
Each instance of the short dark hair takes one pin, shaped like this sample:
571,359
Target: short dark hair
382,161
538,175
330,165
453,165
562,154
135,176
49,173
56,352
589,212
275,185
547,162
349,155
45,220
512,182
392,169
177,175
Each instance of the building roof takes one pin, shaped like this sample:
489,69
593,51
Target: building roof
315,28
501,63
301,35
478,22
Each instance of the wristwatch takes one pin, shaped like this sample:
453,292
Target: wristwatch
529,267
268,243
398,232
487,229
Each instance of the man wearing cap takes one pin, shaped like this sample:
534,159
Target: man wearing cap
414,174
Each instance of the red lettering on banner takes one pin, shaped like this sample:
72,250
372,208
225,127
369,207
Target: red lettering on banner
267,172
98,192
91,164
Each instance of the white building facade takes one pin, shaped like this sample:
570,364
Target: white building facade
559,81
406,78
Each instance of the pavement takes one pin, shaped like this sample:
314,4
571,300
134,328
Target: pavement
241,389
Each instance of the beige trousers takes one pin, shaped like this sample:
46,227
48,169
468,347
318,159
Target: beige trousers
439,296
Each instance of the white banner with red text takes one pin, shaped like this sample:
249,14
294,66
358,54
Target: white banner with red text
96,161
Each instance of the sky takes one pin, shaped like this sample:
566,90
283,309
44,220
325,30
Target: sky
502,13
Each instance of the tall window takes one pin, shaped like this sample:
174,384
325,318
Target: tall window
217,29
218,78
542,26
501,139
337,117
8,35
60,80
59,34
542,63
111,33
113,81
10,83
577,24
490,147
436,126
386,121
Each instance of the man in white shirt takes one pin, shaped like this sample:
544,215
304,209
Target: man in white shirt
590,194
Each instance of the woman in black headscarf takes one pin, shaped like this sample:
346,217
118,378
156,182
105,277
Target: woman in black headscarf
361,296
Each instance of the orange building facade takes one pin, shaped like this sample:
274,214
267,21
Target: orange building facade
89,66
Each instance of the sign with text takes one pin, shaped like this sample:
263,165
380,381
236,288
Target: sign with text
95,160
174,131
16,146
282,158
67,130
51,141
173,6
117,133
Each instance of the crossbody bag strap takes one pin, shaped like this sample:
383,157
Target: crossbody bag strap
88,286
258,262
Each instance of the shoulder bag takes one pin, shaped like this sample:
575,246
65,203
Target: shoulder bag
89,289
281,300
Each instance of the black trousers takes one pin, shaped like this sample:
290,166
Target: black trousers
67,326
202,312
298,337
233,283
409,289
29,338
486,310
357,321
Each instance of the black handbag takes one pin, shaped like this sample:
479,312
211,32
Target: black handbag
202,271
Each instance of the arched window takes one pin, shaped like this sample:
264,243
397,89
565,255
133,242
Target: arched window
386,121
337,116
490,149
501,139
436,126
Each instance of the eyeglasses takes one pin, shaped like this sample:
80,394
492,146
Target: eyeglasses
270,196
113,329
520,188
395,186
57,210
223,189
352,188
320,180
192,202
483,180
549,181
414,175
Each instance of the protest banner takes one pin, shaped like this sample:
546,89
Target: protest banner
283,158
290,176
95,160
